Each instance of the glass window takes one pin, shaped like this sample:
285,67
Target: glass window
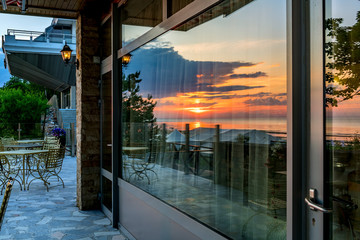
204,119
138,17
106,122
342,58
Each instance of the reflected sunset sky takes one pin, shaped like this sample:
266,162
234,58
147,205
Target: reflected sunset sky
234,67
230,70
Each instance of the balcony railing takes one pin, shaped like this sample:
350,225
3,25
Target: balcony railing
42,36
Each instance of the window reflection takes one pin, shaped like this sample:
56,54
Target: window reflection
342,118
138,17
204,119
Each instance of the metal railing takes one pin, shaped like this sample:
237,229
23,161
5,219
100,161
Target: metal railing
42,36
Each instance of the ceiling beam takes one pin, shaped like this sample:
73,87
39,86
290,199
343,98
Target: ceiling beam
40,11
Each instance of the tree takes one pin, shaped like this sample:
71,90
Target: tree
137,111
26,86
343,61
21,102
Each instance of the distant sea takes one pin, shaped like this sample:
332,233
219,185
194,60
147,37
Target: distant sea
336,129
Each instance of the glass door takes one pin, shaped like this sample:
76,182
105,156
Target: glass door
342,143
333,175
106,120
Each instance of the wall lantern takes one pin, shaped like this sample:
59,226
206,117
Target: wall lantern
126,59
66,56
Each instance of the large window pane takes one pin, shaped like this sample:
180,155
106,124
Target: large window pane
204,119
342,50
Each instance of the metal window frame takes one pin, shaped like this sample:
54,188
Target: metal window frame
298,121
191,10
298,129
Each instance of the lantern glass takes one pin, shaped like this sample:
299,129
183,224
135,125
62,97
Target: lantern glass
66,53
126,59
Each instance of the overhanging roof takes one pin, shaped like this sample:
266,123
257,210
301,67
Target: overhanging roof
35,56
45,70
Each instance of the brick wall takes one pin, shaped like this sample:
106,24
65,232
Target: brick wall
87,113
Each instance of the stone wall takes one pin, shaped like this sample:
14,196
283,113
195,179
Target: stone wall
87,114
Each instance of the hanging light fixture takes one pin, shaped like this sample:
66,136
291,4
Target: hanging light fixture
126,59
66,55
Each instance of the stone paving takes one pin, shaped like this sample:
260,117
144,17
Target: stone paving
38,214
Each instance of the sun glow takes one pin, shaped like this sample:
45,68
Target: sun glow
196,110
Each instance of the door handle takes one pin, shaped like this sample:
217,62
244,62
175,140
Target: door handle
313,205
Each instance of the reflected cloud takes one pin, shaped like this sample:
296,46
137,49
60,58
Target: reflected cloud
180,75
269,101
245,75
213,95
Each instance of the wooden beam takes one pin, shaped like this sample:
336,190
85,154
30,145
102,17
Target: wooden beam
42,11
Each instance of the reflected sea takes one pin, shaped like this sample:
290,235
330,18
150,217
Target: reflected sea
340,129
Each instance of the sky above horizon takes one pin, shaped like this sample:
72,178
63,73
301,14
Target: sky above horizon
19,22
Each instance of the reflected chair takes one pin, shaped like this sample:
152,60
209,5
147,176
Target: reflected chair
143,168
48,166
5,200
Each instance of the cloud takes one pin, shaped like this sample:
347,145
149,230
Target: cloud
166,103
247,75
179,75
219,95
269,101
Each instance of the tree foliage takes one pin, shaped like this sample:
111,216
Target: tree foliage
343,61
20,102
26,86
137,111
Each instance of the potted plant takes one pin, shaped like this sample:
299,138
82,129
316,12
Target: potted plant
60,134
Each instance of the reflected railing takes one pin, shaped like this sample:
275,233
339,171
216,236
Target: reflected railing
211,173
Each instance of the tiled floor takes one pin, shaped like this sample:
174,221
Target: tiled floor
38,214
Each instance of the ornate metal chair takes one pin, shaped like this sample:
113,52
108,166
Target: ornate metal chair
5,201
142,167
51,145
10,167
48,166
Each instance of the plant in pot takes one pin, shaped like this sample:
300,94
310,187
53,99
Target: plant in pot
60,134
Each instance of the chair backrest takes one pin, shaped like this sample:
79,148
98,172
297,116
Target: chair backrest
46,138
51,144
5,201
8,141
55,158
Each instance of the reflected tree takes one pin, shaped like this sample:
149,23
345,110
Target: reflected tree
342,50
137,111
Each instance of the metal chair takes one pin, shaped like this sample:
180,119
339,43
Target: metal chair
142,167
8,141
10,167
5,201
48,166
51,145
